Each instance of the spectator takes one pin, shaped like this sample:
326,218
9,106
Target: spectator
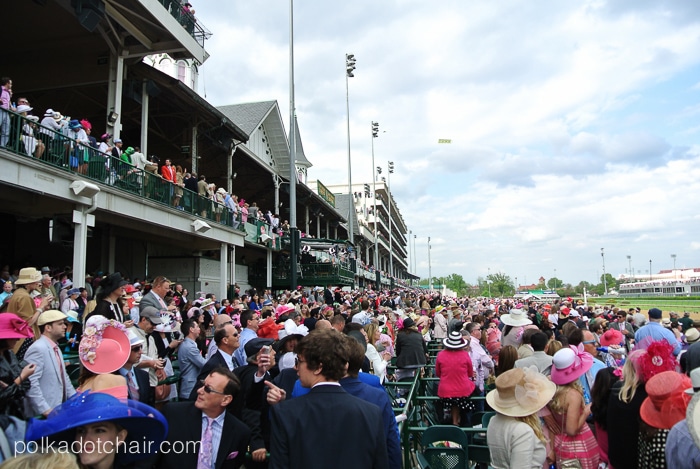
191,361
5,106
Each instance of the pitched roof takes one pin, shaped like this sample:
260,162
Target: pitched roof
247,116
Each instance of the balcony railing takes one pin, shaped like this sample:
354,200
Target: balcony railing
30,139
188,21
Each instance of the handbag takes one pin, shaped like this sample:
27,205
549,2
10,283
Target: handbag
567,446
162,391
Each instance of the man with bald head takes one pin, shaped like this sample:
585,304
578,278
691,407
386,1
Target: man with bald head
322,324
589,346
220,321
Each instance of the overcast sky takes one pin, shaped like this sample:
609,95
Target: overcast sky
574,125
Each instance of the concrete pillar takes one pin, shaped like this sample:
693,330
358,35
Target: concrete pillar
112,253
268,261
144,117
223,270
81,220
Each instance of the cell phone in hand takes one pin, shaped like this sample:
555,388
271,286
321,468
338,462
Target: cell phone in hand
266,349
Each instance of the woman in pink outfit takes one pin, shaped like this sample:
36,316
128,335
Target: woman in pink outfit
454,368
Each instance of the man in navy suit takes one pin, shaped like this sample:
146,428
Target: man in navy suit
226,343
339,430
188,424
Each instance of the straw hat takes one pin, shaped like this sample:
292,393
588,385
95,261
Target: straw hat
569,364
52,315
454,341
28,275
515,318
666,401
521,392
692,335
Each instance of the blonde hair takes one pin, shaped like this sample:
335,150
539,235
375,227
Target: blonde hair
370,329
48,460
558,403
533,421
553,346
630,382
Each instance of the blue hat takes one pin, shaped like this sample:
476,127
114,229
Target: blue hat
267,303
74,124
142,422
73,291
654,313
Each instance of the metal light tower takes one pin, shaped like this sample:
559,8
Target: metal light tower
673,256
349,68
430,268
375,134
488,281
605,280
294,247
629,259
391,249
415,264
649,269
555,279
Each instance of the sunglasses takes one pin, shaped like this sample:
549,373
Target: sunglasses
208,389
137,348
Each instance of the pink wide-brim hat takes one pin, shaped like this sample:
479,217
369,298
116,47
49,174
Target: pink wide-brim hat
569,364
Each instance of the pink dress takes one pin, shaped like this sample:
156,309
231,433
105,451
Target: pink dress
120,392
582,446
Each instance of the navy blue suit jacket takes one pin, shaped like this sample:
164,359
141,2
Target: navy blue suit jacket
379,398
327,428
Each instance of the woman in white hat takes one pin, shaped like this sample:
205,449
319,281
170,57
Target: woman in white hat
514,434
515,323
454,368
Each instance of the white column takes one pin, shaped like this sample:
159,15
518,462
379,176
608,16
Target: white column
144,118
82,220
223,269
268,259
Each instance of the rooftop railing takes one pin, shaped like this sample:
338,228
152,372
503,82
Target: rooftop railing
188,21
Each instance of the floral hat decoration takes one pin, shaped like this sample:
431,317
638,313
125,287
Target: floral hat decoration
657,359
104,347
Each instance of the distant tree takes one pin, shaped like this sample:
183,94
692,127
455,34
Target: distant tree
501,284
456,283
554,283
583,285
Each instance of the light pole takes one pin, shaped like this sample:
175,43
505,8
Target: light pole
375,134
415,264
629,259
488,281
391,249
349,67
650,269
410,232
555,279
430,268
293,234
605,281
673,256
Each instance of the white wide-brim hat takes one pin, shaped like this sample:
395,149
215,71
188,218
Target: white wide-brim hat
515,318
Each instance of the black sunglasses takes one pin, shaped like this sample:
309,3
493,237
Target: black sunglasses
208,389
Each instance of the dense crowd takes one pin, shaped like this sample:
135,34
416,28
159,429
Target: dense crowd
239,376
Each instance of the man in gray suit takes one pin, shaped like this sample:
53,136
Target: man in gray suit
50,384
154,298
191,360
539,358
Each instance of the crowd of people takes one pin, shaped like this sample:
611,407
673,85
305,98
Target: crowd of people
237,377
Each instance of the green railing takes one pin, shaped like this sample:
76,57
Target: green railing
59,151
419,412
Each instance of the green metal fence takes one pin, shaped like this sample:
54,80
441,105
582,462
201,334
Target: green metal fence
28,138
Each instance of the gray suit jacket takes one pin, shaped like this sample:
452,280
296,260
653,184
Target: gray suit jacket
46,390
541,360
149,299
191,362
